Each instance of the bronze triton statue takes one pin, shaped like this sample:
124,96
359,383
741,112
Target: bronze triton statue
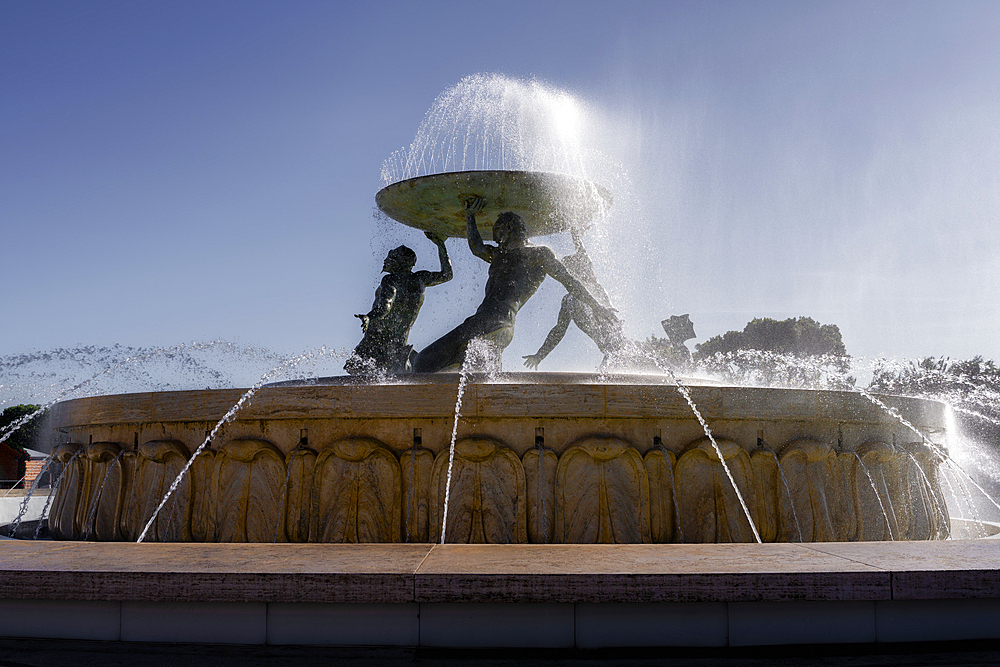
606,333
517,269
386,327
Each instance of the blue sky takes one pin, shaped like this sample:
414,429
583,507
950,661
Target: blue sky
187,171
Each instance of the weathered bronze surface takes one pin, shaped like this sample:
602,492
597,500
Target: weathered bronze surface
547,202
606,333
517,269
386,327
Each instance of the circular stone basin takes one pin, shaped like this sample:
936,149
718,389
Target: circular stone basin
547,202
539,458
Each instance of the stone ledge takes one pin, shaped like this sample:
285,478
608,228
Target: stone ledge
372,573
531,396
646,588
643,573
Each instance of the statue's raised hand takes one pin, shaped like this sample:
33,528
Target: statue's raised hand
474,205
364,322
435,238
532,360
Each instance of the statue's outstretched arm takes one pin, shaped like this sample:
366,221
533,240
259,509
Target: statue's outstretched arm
479,249
553,338
577,241
555,269
584,269
430,278
384,296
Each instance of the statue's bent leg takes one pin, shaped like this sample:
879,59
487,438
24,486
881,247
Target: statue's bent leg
449,350
485,353
375,355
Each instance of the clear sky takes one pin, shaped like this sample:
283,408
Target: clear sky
178,171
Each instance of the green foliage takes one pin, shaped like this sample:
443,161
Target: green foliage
937,376
801,337
24,437
797,352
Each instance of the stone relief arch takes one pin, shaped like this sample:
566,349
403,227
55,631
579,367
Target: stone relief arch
879,490
815,495
488,498
663,508
62,514
417,466
248,489
300,464
930,519
201,477
710,509
151,471
768,489
356,493
540,464
103,488
602,493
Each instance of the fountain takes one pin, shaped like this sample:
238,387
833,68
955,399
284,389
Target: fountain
540,458
609,483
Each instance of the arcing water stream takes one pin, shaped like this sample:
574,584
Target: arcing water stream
267,377
51,376
463,379
718,450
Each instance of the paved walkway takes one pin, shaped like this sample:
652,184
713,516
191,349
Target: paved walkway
557,596
401,573
49,653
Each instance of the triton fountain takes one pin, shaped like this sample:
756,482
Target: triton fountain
572,508
538,458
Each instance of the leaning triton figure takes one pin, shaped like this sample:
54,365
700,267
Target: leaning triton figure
606,334
517,269
386,327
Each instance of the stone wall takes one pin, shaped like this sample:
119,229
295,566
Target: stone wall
533,463
600,490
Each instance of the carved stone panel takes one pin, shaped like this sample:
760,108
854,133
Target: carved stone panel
812,472
930,511
300,464
852,478
769,490
249,485
62,513
540,465
602,494
417,465
710,508
201,478
356,493
157,465
104,487
487,502
878,492
662,496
